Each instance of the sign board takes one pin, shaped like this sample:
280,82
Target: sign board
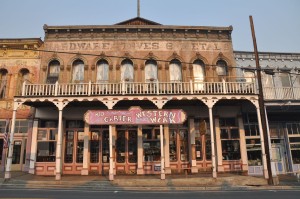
135,115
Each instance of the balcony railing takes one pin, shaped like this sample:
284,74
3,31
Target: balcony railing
282,93
138,88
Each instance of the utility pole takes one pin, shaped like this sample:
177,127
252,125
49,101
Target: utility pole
262,106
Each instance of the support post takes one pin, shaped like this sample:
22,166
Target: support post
140,170
58,163
85,165
11,145
162,162
111,160
33,147
212,137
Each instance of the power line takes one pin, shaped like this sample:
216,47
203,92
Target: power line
136,58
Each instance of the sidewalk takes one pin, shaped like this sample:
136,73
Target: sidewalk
226,181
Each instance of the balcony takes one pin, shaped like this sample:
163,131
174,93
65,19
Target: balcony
282,93
139,88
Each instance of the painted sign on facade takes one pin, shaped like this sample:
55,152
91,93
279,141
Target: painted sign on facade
134,116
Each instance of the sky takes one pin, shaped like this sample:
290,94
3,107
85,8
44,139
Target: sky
277,22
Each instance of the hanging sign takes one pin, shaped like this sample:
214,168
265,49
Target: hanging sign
135,116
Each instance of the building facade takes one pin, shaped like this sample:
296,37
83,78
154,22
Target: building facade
281,83
140,63
17,65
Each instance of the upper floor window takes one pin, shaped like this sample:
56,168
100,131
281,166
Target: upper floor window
53,71
221,68
249,75
127,70
267,80
285,79
151,70
102,71
175,71
23,77
199,70
78,71
3,83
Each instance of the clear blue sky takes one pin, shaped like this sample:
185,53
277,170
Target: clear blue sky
277,22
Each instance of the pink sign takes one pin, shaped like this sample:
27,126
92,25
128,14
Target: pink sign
135,115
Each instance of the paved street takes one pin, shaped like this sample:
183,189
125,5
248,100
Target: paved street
84,194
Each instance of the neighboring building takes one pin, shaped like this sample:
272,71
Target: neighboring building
16,67
281,82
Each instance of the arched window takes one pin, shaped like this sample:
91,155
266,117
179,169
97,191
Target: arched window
102,71
23,77
127,70
249,76
3,83
78,71
53,71
221,68
151,70
175,71
199,70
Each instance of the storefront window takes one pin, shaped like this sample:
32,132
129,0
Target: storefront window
293,128
46,145
105,146
69,146
16,157
80,147
173,146
208,147
183,138
295,149
94,147
21,126
254,151
132,146
151,145
230,139
120,146
1,149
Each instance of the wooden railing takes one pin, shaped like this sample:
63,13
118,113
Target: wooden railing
283,93
138,88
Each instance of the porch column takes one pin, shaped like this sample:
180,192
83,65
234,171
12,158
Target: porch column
11,143
140,157
263,151
162,161
85,167
58,161
111,160
219,145
33,147
212,138
167,149
243,146
192,150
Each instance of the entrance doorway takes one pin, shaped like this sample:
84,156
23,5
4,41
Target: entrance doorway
18,156
278,158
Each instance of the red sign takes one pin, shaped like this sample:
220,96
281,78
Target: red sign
134,115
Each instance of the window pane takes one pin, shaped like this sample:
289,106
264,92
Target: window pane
79,151
54,68
132,147
221,68
199,71
296,156
127,70
53,134
16,157
183,135
46,151
69,147
78,71
102,71
151,70
175,71
94,147
105,146
42,135
231,149
285,80
208,148
120,146
173,146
